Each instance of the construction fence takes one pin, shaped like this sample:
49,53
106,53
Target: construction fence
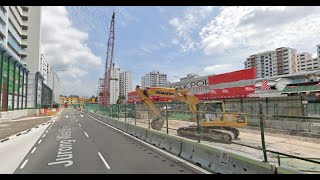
282,130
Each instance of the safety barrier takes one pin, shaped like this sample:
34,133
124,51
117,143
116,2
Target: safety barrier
287,170
122,125
130,129
221,161
213,159
137,131
169,143
113,122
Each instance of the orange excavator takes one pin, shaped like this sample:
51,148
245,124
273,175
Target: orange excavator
217,124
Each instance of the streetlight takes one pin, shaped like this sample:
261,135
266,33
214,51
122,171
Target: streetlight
53,75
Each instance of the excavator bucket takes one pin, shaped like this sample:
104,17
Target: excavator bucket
157,123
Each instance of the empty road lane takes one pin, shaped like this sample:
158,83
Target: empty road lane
77,143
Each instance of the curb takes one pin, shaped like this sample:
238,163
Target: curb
26,131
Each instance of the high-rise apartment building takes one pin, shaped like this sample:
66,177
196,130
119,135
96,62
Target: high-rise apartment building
114,85
154,78
20,82
281,61
306,62
100,86
125,83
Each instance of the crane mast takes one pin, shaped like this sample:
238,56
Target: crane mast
105,98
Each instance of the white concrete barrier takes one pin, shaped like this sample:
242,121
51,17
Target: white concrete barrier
139,132
122,126
287,170
169,143
221,161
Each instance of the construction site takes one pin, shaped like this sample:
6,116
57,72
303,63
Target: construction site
282,131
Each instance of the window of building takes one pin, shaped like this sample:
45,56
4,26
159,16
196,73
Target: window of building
3,24
3,10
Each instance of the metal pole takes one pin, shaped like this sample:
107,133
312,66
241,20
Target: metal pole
1,74
118,112
198,124
262,133
14,84
279,160
148,120
22,88
135,117
125,112
8,69
25,105
166,113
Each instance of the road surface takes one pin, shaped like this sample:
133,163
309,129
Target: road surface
77,143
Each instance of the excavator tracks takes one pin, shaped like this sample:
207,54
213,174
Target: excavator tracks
213,134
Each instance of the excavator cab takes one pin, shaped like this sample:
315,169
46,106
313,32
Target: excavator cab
213,113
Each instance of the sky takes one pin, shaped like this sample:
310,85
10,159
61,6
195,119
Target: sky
173,40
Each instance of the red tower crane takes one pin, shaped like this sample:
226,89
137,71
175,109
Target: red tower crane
105,98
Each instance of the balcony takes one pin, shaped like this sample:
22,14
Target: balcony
24,43
3,14
23,53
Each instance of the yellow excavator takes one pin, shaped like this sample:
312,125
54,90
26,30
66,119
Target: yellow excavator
217,124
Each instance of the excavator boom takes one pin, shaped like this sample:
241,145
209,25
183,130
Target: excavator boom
181,95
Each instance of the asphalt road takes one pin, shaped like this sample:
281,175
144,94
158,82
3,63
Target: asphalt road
76,143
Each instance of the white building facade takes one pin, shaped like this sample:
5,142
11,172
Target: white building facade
125,83
114,85
154,78
281,61
305,62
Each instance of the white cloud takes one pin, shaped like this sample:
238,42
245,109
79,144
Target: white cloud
65,47
219,69
261,28
187,25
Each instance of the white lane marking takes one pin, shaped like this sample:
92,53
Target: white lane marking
33,149
67,116
104,161
86,134
40,141
44,135
160,150
24,163
81,115
76,120
47,131
79,124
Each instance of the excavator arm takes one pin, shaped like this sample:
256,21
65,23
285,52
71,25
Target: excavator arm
173,93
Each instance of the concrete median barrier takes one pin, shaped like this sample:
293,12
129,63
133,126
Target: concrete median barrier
287,170
122,126
130,129
113,122
153,138
169,143
138,132
221,161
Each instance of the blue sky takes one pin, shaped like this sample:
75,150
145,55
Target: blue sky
173,40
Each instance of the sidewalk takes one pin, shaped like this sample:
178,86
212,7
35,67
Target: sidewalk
9,128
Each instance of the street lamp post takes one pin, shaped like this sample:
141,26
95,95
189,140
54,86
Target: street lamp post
53,75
